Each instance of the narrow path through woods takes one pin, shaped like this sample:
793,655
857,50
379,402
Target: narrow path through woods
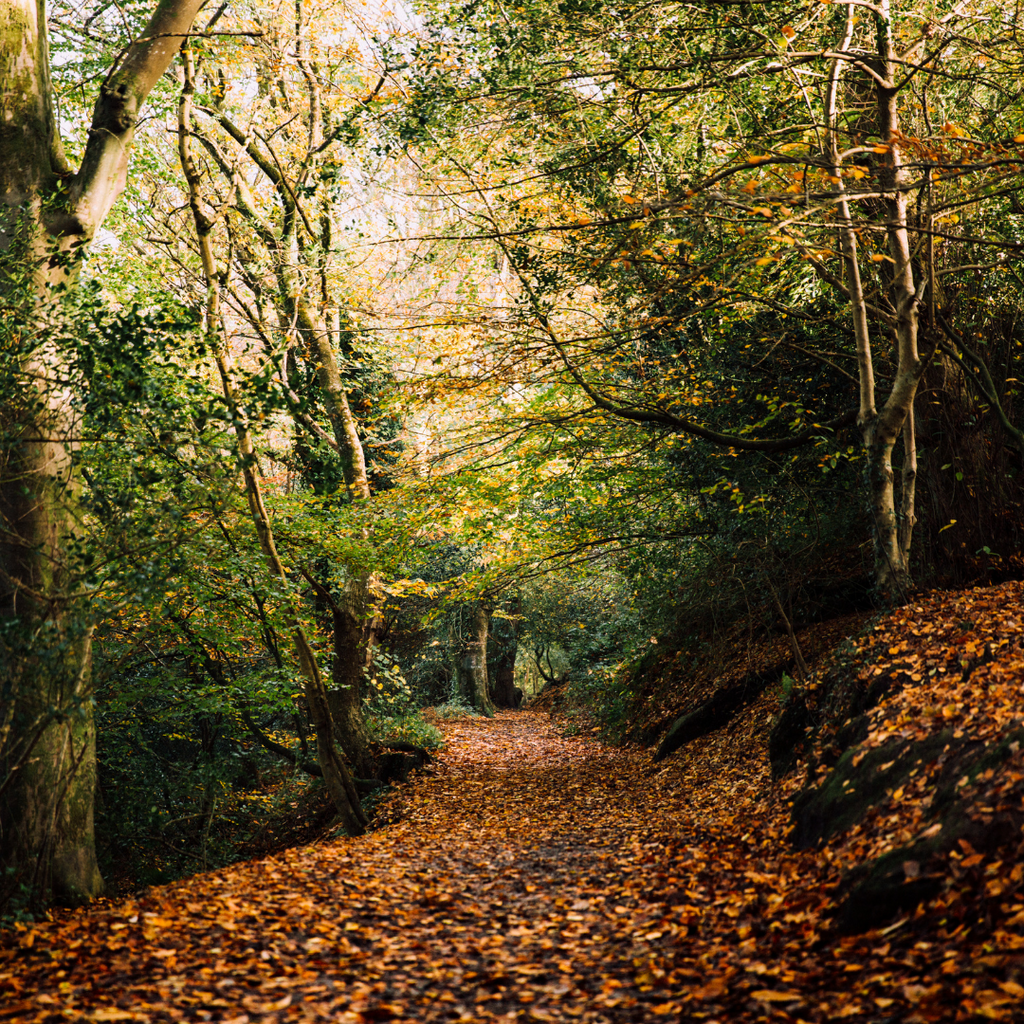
529,877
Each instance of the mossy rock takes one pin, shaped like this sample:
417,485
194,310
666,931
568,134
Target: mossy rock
860,780
880,889
717,711
901,879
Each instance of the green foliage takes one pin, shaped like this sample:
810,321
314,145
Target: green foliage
185,621
406,728
19,903
788,688
456,706
388,692
657,189
606,699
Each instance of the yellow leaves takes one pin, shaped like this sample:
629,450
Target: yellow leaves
277,1004
537,1013
765,260
915,993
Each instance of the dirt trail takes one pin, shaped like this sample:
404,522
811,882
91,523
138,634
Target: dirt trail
530,877
499,893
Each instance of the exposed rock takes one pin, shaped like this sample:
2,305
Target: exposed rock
901,879
717,711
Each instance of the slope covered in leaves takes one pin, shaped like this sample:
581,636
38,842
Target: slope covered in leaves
536,877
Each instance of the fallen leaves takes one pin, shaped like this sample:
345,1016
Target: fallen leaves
537,877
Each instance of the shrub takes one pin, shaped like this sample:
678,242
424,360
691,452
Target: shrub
407,728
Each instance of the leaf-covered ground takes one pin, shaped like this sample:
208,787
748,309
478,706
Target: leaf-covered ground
536,877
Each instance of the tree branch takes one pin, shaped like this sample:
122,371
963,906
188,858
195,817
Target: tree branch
280,749
104,169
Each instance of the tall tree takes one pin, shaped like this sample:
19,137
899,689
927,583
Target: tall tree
336,775
270,164
665,183
48,213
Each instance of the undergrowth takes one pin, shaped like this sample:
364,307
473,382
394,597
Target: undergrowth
455,707
409,727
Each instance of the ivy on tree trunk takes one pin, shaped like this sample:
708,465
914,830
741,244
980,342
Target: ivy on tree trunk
48,213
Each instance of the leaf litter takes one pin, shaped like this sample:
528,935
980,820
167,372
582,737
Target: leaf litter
534,876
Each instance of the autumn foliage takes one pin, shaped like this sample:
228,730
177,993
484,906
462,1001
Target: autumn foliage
529,875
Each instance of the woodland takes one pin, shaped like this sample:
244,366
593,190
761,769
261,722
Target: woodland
511,512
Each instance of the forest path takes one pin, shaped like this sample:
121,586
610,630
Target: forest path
520,881
528,877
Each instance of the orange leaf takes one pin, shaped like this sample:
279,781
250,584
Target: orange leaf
769,995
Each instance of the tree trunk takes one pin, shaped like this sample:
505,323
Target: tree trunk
346,695
477,654
880,428
336,776
47,213
355,624
506,694
893,532
49,768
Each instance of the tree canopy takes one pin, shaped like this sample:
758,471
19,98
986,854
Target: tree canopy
406,344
